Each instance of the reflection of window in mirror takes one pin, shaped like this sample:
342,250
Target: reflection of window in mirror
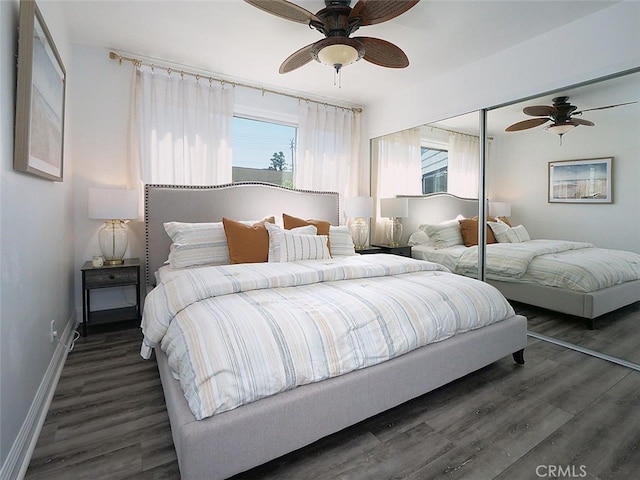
434,162
450,156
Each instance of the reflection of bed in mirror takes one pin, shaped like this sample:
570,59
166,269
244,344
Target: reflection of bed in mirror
611,278
238,439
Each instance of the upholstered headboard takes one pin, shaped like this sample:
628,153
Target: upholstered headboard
238,201
435,208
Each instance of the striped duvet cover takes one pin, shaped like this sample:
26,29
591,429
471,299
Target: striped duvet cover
576,266
235,334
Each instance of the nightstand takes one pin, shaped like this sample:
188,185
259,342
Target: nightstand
107,276
368,250
401,250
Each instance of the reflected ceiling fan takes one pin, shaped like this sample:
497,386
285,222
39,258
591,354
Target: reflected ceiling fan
337,21
561,114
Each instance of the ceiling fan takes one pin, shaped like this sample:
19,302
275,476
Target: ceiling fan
561,114
337,21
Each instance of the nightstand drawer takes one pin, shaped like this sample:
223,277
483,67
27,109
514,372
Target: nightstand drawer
111,277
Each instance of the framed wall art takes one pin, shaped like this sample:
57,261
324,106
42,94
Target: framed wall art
581,181
39,128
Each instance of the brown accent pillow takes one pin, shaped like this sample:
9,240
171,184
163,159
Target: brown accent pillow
505,220
247,243
294,222
469,231
489,218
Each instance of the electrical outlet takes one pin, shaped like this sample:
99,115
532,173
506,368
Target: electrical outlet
54,332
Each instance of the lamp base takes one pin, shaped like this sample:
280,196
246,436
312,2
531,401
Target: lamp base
394,232
360,233
114,262
113,239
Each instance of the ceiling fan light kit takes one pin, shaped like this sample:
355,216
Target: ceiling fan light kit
560,128
337,52
337,21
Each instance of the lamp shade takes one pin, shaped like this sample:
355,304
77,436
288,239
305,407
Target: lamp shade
358,207
113,203
500,209
394,207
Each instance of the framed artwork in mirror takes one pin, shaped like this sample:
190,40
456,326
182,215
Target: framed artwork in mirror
39,129
581,181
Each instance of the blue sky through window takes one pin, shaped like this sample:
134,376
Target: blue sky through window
255,142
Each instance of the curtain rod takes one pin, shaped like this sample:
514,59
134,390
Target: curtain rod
453,131
138,63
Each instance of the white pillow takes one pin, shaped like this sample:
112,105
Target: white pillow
500,230
341,241
286,246
518,234
419,238
446,234
197,244
275,238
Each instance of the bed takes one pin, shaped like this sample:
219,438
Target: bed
243,436
589,301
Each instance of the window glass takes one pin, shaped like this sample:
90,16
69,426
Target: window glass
434,169
263,151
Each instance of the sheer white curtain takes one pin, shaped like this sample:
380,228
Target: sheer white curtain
183,128
396,170
463,165
327,152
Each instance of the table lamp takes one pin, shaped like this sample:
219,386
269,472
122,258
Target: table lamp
359,209
115,205
394,209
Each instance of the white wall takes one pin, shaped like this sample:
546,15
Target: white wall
98,148
571,54
517,173
36,259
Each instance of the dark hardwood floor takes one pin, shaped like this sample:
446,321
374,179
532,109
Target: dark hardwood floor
561,415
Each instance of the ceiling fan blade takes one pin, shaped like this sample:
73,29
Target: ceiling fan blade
602,108
297,59
532,122
383,53
284,9
378,11
540,111
580,121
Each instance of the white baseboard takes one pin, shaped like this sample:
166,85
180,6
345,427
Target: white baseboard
16,464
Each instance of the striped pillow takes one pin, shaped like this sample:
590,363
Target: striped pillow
274,238
518,234
500,230
295,246
341,241
197,244
446,234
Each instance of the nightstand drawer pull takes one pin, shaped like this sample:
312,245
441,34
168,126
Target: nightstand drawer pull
106,278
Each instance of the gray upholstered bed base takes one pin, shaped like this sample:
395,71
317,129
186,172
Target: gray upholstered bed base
440,207
237,440
587,305
253,434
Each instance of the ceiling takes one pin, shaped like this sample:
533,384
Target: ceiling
613,91
237,41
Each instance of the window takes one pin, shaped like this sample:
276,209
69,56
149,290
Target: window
434,163
263,151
